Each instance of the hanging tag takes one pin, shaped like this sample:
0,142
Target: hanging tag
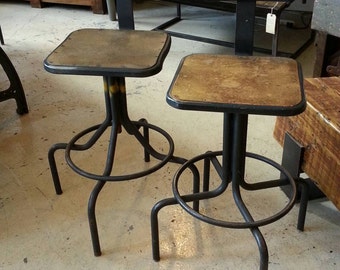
270,23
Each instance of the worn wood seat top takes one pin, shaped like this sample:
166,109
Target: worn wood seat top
108,52
241,84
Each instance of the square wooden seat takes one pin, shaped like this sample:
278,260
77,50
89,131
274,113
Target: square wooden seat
106,52
238,84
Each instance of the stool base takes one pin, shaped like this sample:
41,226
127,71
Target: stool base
116,119
211,158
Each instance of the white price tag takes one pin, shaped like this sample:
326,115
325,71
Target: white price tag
270,23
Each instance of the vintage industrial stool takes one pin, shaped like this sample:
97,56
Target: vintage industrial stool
236,86
114,55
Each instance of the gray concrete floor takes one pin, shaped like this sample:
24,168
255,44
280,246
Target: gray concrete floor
41,230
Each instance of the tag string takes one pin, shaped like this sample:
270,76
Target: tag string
271,10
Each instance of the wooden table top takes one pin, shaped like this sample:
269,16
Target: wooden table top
318,131
323,94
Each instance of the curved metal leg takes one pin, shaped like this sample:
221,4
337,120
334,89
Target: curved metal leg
92,217
195,182
71,146
154,225
15,89
53,166
170,201
261,243
100,184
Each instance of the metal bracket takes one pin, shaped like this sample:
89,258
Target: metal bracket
291,160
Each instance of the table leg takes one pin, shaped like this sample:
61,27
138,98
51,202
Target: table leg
15,89
125,14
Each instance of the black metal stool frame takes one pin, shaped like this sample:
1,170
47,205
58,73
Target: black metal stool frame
116,118
233,158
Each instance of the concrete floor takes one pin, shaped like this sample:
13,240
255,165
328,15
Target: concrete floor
41,230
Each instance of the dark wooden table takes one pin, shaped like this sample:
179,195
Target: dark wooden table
245,21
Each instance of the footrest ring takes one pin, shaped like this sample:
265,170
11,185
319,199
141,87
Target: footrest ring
73,146
231,224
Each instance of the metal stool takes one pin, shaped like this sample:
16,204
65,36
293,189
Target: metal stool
114,55
235,86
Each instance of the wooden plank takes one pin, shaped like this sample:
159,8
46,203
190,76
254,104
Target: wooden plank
320,44
96,5
318,130
70,2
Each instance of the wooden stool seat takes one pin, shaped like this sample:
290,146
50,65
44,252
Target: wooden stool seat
244,84
106,52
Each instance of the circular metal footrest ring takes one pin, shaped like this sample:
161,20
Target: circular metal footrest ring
232,224
112,178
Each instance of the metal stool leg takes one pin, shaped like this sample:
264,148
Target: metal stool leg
170,201
53,166
100,184
154,225
92,217
62,146
261,243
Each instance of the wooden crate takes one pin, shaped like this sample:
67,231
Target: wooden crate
318,130
98,6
